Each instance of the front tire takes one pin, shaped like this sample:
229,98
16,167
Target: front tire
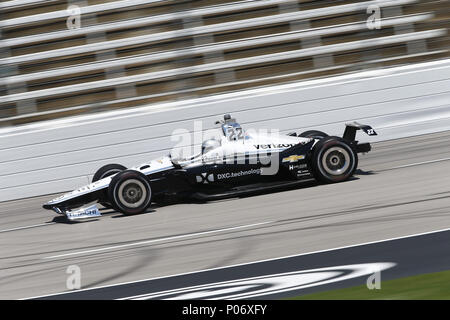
108,170
103,172
333,160
129,192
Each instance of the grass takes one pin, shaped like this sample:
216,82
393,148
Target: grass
431,286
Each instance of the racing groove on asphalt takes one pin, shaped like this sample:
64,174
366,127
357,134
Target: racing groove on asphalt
380,203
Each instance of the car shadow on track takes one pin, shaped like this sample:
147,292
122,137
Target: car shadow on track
63,220
360,172
121,215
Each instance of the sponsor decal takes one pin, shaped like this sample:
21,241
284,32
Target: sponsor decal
273,145
88,212
241,173
303,174
293,158
297,166
205,178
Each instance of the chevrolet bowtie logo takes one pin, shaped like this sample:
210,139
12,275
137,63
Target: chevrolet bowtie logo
293,158
205,178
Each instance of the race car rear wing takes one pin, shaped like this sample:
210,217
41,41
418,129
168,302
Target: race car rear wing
351,128
350,135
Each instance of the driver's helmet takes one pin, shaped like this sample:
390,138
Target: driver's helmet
209,145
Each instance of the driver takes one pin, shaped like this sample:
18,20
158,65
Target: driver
209,145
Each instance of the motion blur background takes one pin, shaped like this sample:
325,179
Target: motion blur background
86,83
72,57
92,82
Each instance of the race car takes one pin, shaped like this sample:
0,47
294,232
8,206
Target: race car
236,163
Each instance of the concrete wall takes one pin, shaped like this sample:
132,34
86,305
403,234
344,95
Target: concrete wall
56,156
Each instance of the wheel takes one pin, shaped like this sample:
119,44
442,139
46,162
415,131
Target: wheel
129,192
313,134
103,172
108,170
333,160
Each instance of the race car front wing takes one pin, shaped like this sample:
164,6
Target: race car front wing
81,213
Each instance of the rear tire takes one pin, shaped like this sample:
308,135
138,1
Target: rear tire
129,192
313,134
333,160
103,172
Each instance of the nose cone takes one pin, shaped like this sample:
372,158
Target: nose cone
51,204
48,205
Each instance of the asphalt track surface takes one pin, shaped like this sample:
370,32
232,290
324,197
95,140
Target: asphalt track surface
402,189
295,275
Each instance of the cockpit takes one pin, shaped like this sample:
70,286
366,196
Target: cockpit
231,130
209,145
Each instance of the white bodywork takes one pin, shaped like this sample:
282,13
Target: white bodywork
149,168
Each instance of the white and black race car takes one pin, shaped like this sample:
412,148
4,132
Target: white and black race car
236,164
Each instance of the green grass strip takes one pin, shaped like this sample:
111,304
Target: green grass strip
431,286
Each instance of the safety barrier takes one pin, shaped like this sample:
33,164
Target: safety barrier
59,155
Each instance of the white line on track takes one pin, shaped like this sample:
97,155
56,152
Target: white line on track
28,227
420,163
248,263
189,235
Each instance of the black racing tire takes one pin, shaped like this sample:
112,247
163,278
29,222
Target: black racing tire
103,172
313,134
108,170
129,192
333,160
